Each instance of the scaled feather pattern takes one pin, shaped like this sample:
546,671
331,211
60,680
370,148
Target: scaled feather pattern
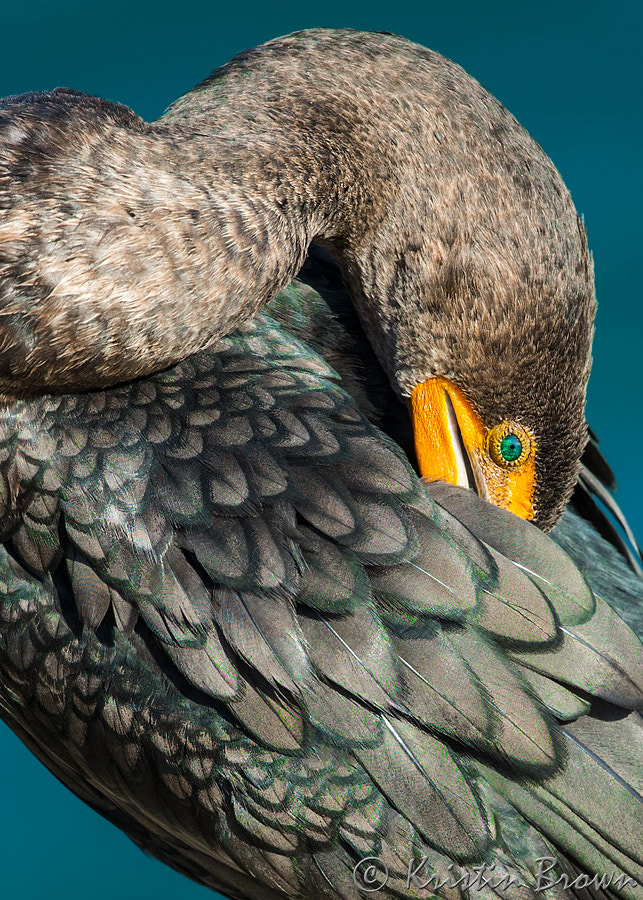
235,623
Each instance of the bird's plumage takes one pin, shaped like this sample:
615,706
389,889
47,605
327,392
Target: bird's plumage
235,622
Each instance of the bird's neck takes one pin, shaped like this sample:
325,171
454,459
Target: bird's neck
135,245
277,172
156,240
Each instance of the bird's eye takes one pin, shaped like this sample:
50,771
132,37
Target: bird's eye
509,445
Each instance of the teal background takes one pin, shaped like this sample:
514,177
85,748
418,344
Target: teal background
571,74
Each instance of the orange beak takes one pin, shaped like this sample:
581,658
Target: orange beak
452,444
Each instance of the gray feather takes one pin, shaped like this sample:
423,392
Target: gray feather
423,781
525,545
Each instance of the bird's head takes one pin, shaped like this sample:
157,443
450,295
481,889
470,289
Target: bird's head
473,280
495,359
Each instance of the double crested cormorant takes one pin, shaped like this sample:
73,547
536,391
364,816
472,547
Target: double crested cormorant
232,618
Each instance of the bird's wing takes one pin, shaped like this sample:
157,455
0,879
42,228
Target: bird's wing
232,611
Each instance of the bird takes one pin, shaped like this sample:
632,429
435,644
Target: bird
278,597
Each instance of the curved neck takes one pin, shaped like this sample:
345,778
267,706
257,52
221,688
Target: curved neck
135,245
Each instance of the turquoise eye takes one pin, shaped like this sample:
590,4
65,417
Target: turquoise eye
510,448
509,445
